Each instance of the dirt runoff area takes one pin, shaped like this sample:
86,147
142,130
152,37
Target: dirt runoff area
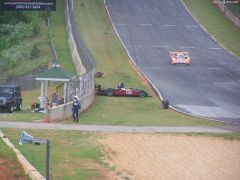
159,156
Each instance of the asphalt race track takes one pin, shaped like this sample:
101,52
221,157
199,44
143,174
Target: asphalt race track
150,29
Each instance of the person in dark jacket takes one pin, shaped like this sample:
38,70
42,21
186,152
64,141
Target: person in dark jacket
75,109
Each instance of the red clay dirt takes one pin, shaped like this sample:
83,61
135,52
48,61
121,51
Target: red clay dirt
11,170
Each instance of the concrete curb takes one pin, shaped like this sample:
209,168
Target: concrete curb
28,168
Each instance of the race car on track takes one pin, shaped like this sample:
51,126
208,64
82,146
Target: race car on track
180,58
121,91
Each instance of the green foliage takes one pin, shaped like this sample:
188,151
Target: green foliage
10,57
35,26
35,51
19,41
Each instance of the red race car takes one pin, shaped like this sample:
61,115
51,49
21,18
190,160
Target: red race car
121,91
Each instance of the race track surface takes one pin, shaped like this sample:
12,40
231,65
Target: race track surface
150,29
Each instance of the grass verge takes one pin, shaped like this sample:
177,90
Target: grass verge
9,165
60,37
216,24
72,154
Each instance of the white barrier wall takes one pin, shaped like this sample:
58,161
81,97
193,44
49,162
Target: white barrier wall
64,111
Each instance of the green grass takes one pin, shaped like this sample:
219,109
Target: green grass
60,37
9,161
72,154
216,24
112,59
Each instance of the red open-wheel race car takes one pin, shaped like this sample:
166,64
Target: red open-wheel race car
121,91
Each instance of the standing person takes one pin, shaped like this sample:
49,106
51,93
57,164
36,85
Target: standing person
54,99
75,109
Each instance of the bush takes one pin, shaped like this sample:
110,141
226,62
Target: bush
17,30
35,51
11,57
35,26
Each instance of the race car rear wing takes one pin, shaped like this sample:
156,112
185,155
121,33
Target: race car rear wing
179,52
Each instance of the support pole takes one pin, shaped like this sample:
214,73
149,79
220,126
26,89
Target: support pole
48,160
46,88
65,92
42,94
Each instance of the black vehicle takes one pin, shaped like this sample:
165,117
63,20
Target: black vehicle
10,97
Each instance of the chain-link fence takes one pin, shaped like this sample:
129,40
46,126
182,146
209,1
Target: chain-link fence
224,7
83,84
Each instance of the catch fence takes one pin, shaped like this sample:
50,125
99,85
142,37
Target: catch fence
83,84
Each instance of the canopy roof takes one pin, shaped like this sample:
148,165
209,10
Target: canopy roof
55,74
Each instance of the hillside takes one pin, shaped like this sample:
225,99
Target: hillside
23,43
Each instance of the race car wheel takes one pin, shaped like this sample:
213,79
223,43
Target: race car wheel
165,104
110,92
142,94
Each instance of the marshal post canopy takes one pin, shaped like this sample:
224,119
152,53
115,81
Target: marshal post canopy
55,74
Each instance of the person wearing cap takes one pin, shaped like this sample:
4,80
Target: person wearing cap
75,109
